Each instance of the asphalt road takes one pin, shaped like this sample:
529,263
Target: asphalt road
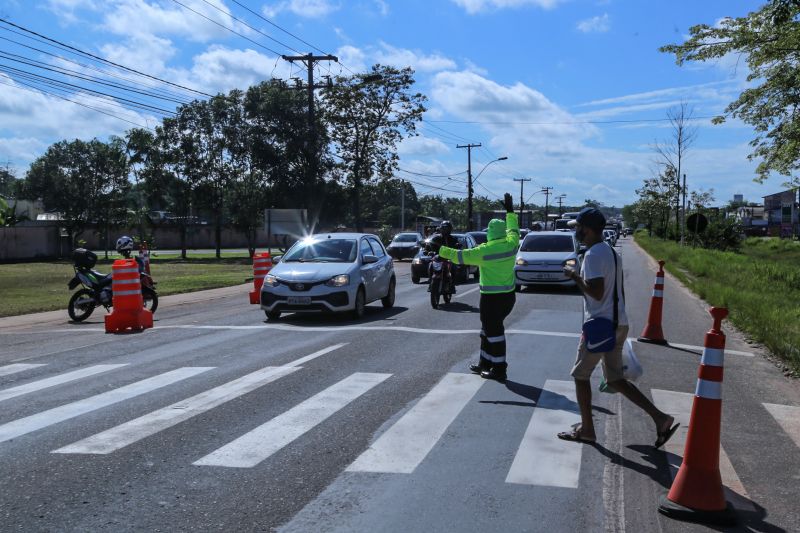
220,421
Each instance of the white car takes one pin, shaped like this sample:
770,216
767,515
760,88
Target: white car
330,273
610,236
542,257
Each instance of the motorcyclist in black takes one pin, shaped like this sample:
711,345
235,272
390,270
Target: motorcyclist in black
443,237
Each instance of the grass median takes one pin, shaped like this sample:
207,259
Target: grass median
34,287
760,286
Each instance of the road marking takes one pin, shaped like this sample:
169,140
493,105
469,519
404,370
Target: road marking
23,426
56,380
543,459
788,417
679,405
311,357
467,292
700,349
406,444
16,367
161,419
257,445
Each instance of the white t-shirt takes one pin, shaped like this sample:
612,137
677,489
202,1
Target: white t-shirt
598,262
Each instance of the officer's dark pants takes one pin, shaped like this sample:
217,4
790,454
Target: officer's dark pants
494,309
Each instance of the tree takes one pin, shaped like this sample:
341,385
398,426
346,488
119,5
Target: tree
80,180
368,114
671,152
656,198
769,40
10,186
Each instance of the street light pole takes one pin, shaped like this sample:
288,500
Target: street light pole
402,204
469,148
546,191
521,196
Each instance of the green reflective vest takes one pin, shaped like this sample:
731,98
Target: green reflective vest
495,258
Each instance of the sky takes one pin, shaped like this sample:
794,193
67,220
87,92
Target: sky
573,92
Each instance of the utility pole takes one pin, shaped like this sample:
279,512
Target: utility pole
310,60
546,191
560,204
521,196
469,148
402,204
683,218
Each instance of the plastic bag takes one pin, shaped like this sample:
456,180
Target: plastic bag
631,367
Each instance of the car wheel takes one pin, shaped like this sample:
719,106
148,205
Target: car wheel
361,304
415,280
388,300
477,274
272,315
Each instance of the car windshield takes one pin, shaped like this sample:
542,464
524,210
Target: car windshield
462,240
405,237
480,237
323,251
547,243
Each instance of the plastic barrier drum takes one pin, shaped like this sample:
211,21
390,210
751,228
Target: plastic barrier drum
128,312
262,264
697,494
652,331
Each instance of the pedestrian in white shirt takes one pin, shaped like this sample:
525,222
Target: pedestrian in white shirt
605,330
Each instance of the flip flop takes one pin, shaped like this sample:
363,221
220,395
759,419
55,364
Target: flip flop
574,436
663,437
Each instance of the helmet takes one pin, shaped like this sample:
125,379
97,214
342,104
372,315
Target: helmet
435,243
446,225
124,245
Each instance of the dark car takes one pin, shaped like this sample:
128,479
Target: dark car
478,236
419,266
404,245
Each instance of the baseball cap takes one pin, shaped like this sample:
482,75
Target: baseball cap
589,217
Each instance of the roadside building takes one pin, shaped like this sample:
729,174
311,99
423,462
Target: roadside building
781,212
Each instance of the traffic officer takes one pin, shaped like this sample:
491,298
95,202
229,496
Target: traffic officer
495,258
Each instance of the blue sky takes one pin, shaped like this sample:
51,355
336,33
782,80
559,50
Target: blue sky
564,67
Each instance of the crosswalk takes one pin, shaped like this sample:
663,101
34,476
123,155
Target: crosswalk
401,448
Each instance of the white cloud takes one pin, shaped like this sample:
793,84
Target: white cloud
360,59
598,24
383,7
420,145
477,6
222,69
302,8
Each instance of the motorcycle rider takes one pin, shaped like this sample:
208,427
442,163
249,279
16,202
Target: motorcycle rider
496,258
125,247
444,237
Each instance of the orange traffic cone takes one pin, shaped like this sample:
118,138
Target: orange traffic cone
652,332
126,286
697,494
262,264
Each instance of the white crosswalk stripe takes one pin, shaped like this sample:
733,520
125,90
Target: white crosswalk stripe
679,405
151,423
60,379
403,446
257,445
7,370
788,417
23,426
542,458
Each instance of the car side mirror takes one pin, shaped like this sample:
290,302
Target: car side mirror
277,259
369,259
582,248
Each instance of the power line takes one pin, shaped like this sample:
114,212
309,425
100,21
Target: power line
565,123
33,89
253,28
98,58
223,26
432,175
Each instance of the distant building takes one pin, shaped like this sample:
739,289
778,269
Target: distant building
781,212
738,198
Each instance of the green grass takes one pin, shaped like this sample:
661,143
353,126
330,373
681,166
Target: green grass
34,287
760,286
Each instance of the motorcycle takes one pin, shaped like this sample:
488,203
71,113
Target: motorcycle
96,287
441,280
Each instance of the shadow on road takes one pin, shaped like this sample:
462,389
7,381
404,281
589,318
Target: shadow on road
457,307
371,314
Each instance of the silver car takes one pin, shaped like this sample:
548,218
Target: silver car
543,255
330,273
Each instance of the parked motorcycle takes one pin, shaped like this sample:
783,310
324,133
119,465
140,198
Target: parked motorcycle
441,280
96,287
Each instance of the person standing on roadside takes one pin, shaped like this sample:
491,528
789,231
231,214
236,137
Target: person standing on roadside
601,282
495,259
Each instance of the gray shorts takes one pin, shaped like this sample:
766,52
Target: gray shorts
612,361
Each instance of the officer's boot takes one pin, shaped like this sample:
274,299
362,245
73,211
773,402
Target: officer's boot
496,372
480,367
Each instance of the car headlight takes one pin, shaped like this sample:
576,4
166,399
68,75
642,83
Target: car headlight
417,261
521,262
570,263
338,281
270,280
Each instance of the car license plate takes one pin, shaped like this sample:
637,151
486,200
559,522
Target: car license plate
545,275
299,300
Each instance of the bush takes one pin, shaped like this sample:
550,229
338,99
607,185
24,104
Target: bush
721,234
